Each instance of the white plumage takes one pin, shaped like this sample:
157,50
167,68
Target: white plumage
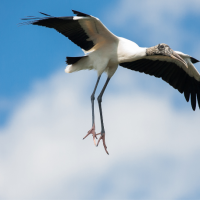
105,51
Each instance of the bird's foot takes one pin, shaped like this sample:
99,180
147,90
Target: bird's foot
92,131
104,143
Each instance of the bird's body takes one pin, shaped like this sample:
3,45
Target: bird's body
107,57
105,51
102,59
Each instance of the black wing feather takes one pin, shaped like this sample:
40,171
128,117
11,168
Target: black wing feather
66,26
172,74
198,92
194,60
77,13
193,94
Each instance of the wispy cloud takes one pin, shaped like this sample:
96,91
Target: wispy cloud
152,22
153,148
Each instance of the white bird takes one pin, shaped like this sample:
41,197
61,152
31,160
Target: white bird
105,51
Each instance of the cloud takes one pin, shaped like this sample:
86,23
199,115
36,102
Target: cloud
153,148
152,22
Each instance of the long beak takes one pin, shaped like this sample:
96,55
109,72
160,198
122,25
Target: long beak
174,55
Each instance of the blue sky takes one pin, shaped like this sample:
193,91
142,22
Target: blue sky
152,133
25,50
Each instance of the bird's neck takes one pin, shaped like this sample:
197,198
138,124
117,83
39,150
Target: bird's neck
129,51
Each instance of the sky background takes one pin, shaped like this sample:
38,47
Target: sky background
152,133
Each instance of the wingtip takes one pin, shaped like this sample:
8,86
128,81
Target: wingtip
45,14
194,60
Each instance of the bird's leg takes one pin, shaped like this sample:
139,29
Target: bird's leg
92,130
101,117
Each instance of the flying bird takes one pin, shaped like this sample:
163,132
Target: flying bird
104,52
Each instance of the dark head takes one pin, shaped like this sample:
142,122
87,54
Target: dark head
160,49
164,50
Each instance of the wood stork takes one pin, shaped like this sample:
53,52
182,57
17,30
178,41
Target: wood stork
104,51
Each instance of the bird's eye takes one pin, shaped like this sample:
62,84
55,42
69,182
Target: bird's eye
161,46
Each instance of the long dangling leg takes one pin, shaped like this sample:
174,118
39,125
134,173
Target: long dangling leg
101,117
92,130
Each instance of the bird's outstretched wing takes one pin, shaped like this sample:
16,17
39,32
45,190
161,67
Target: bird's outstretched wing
84,30
184,81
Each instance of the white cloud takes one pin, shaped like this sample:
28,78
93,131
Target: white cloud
154,12
153,149
156,21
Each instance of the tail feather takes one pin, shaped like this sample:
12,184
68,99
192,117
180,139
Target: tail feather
73,60
78,63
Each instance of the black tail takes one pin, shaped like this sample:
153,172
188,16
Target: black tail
72,60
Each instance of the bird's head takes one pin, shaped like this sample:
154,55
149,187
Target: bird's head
164,50
160,49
